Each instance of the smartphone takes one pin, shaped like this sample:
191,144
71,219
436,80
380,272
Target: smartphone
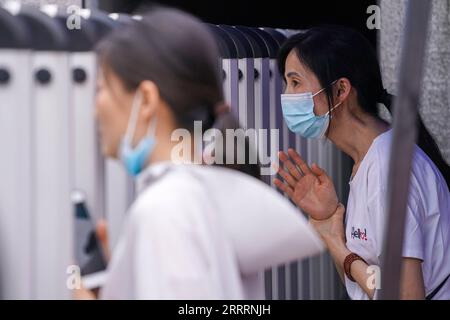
88,251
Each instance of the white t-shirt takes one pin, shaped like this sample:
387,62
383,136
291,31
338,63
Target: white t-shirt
427,226
198,232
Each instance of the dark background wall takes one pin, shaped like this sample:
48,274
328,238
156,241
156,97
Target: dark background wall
286,14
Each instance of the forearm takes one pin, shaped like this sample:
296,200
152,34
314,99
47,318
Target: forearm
333,234
339,269
358,269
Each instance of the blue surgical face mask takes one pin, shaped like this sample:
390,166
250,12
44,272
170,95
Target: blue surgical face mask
298,112
134,159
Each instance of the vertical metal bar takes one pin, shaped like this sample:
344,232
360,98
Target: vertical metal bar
281,282
274,277
404,137
293,294
88,163
52,177
16,172
268,284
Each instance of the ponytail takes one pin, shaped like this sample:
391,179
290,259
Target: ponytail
223,120
424,139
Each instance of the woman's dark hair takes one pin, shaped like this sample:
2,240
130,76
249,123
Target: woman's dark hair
333,52
177,52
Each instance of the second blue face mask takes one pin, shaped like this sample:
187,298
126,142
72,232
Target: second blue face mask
298,112
135,159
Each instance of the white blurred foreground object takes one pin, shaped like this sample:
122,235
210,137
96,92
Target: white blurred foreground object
199,232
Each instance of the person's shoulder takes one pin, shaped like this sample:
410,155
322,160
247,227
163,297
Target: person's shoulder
246,191
421,162
233,181
169,198
382,146
372,174
425,176
422,167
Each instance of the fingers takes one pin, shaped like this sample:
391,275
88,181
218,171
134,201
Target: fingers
319,172
287,178
83,294
299,161
282,156
102,235
293,170
283,187
292,175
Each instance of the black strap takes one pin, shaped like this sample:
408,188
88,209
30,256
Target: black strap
435,291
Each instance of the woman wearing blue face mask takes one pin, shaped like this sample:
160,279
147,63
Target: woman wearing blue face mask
333,85
190,234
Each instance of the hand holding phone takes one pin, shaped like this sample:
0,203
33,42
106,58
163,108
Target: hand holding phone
88,250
